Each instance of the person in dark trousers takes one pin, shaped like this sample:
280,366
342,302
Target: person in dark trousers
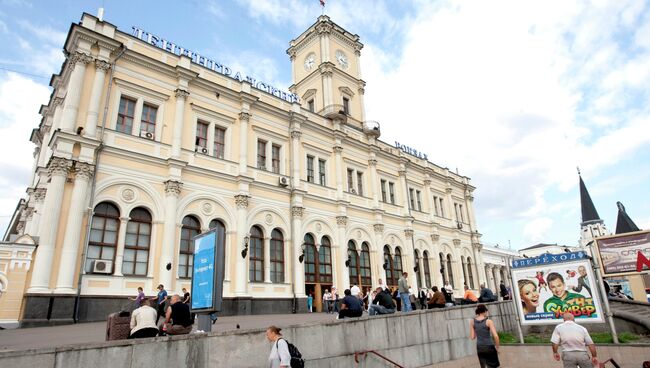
179,315
486,295
487,339
423,298
582,281
143,321
449,298
397,300
160,299
503,290
350,306
382,303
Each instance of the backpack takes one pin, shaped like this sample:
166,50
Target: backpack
296,357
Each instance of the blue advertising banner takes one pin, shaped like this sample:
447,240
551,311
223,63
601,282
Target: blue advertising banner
204,271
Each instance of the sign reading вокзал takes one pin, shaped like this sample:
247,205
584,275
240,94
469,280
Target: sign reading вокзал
625,254
550,285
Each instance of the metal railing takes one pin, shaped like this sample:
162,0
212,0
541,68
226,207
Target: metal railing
365,353
610,360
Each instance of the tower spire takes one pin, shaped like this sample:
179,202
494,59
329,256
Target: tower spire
589,212
624,223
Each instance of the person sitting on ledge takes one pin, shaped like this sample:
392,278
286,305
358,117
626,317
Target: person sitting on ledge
179,314
469,297
143,321
486,295
351,306
382,303
437,300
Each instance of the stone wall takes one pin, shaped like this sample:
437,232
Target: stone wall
419,338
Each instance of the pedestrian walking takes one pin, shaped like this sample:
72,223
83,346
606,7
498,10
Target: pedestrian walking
574,340
161,300
279,356
403,288
310,302
138,299
327,301
487,340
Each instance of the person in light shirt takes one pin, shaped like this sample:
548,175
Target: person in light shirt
574,340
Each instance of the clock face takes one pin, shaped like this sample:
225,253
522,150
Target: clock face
342,59
310,61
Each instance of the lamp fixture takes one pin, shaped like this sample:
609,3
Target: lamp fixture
302,255
348,261
244,251
416,268
385,265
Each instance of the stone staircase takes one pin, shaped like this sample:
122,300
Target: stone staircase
631,311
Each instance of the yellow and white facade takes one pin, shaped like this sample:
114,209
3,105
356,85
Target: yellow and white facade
139,149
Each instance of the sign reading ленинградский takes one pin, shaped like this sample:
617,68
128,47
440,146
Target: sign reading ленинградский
213,65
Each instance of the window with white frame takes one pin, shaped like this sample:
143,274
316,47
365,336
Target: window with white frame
436,206
322,179
310,169
411,198
383,190
351,181
391,191
275,158
418,198
261,154
219,142
148,121
201,140
125,115
140,110
359,183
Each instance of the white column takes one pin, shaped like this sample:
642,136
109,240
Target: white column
296,240
267,259
409,265
374,183
378,272
342,223
241,269
405,189
338,150
58,171
295,159
172,191
73,229
101,67
78,63
38,197
428,199
119,254
244,118
177,138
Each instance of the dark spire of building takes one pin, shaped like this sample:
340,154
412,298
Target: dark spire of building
624,223
589,212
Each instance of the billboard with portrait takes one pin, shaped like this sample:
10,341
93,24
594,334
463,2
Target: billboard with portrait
547,286
625,254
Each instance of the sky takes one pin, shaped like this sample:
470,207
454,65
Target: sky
513,94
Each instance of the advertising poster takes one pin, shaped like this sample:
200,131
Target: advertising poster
627,254
549,285
204,271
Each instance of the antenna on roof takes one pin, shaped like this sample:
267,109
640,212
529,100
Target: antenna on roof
100,14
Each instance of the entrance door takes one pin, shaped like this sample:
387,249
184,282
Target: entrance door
318,269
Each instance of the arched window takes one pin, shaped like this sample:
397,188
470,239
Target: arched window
366,276
469,272
427,270
191,228
353,267
103,234
277,256
136,243
450,271
325,260
391,280
442,268
417,265
397,264
310,259
256,255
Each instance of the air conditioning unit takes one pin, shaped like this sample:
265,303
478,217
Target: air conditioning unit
201,149
284,181
101,266
459,225
147,135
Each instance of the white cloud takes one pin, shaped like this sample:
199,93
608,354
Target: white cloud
537,230
43,32
20,100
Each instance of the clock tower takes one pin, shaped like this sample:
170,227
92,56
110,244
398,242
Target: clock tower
326,72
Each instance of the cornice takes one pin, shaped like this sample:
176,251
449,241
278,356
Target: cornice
149,63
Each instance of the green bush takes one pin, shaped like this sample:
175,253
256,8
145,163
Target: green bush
598,337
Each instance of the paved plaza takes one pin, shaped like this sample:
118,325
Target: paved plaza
47,337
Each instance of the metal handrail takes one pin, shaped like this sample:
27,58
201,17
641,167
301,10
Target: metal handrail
365,353
610,360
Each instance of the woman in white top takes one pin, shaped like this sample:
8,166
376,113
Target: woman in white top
279,356
143,321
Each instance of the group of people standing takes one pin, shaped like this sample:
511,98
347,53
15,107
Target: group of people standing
175,310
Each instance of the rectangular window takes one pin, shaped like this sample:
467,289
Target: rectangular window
459,212
435,205
125,116
359,183
275,158
310,169
350,181
310,105
391,192
261,154
418,197
346,105
219,142
202,134
321,172
411,199
442,207
148,120
383,190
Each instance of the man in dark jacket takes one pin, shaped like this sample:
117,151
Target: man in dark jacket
382,304
437,300
503,290
351,306
486,295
